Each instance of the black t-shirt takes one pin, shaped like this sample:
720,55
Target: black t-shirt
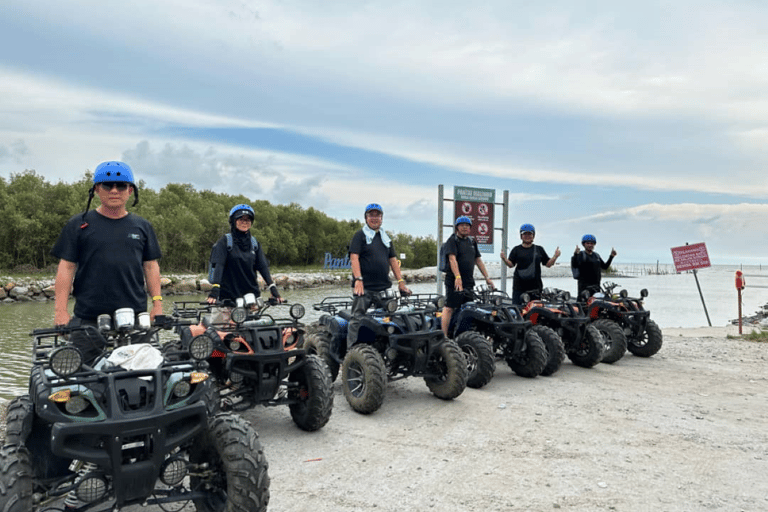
528,262
374,261
589,266
466,252
110,256
240,267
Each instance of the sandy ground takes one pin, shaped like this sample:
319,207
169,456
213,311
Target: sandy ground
685,430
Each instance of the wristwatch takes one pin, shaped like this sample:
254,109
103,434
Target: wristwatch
357,279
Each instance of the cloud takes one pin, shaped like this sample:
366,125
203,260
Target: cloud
685,212
15,152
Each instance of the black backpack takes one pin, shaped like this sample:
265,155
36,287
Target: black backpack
254,247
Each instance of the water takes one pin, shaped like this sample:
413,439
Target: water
673,301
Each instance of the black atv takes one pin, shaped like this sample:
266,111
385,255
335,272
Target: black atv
134,427
398,338
560,320
491,319
256,359
642,336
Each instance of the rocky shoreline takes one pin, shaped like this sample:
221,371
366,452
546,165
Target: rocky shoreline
31,289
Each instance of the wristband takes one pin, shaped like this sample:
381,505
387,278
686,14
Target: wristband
457,277
215,285
157,297
401,280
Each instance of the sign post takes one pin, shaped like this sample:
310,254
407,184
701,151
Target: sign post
692,257
740,284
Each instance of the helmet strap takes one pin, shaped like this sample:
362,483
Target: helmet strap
90,198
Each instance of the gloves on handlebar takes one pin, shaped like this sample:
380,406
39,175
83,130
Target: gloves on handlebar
273,291
214,293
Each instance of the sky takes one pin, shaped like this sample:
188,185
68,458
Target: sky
642,123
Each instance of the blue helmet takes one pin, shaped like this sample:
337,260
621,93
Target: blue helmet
527,228
463,220
240,210
588,238
374,206
113,171
108,172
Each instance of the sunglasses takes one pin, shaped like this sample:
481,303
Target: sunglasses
120,185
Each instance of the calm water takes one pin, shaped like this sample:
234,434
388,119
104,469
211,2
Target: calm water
673,301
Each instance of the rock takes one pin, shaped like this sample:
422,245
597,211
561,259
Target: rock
17,292
3,293
205,285
186,285
49,291
9,286
165,282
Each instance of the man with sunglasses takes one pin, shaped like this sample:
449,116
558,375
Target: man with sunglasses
371,254
587,265
528,259
106,256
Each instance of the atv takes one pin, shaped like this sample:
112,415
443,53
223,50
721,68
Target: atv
642,336
134,427
561,322
399,337
256,359
490,319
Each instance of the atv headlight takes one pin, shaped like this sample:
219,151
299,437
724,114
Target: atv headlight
623,294
525,298
644,292
91,488
76,404
440,301
497,300
297,311
181,389
201,347
391,329
566,296
238,315
391,306
173,471
66,361
234,344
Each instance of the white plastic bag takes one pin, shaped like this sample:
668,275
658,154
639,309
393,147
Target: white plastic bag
139,356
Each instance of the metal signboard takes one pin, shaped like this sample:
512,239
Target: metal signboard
478,205
690,257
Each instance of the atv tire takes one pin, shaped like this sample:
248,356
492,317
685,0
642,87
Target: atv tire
532,360
16,476
481,362
363,378
319,343
238,479
23,428
449,363
589,350
614,339
555,348
315,395
19,417
649,344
